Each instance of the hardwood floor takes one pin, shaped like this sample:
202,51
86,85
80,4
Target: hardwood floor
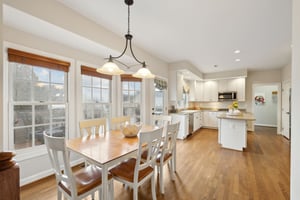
205,171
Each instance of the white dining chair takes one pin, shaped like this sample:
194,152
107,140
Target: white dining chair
161,120
77,185
117,122
133,172
92,126
167,153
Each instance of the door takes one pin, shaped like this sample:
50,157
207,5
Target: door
286,112
160,97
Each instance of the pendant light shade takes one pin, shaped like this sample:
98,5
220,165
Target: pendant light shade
111,68
143,73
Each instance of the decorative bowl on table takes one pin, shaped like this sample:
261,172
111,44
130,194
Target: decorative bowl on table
130,130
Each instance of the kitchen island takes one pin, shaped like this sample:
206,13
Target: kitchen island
233,130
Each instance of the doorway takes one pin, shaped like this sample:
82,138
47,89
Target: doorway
266,102
160,97
286,109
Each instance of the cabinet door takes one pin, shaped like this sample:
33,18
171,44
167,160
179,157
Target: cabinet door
210,119
192,94
210,91
196,121
199,90
222,85
241,89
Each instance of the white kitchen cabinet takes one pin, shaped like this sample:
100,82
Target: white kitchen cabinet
241,88
197,120
192,94
196,90
184,125
222,85
233,85
199,91
210,119
210,91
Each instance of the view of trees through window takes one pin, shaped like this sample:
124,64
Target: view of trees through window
96,97
39,97
132,100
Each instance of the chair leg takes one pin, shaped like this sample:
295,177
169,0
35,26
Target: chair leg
153,187
100,193
59,195
111,189
161,181
135,193
172,169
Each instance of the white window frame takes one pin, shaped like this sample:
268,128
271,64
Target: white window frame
140,101
27,153
97,103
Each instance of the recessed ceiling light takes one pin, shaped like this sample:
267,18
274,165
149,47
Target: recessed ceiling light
237,51
237,60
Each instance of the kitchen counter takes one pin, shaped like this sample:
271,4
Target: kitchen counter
233,130
242,116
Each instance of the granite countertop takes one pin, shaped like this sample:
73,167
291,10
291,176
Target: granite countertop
242,116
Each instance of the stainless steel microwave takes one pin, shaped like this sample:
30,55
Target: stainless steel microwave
226,96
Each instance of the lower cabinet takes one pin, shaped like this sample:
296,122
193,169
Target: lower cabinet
184,125
197,121
210,119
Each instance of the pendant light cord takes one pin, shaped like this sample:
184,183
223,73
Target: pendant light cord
128,37
128,31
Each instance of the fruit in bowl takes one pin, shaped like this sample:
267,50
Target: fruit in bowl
131,130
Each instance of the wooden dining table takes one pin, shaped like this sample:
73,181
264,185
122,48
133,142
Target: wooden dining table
106,150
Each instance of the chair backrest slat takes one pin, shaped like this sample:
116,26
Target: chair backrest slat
161,120
150,142
170,138
92,126
117,122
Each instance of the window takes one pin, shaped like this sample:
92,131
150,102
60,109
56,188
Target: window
131,92
38,98
96,93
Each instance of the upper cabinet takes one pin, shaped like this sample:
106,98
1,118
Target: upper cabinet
240,84
210,91
196,90
234,84
203,90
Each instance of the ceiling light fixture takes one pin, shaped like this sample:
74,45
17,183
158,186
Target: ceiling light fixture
237,51
237,60
112,69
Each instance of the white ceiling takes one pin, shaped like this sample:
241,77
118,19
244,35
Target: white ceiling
202,32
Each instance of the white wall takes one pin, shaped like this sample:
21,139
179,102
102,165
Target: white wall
266,113
286,73
260,77
295,136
